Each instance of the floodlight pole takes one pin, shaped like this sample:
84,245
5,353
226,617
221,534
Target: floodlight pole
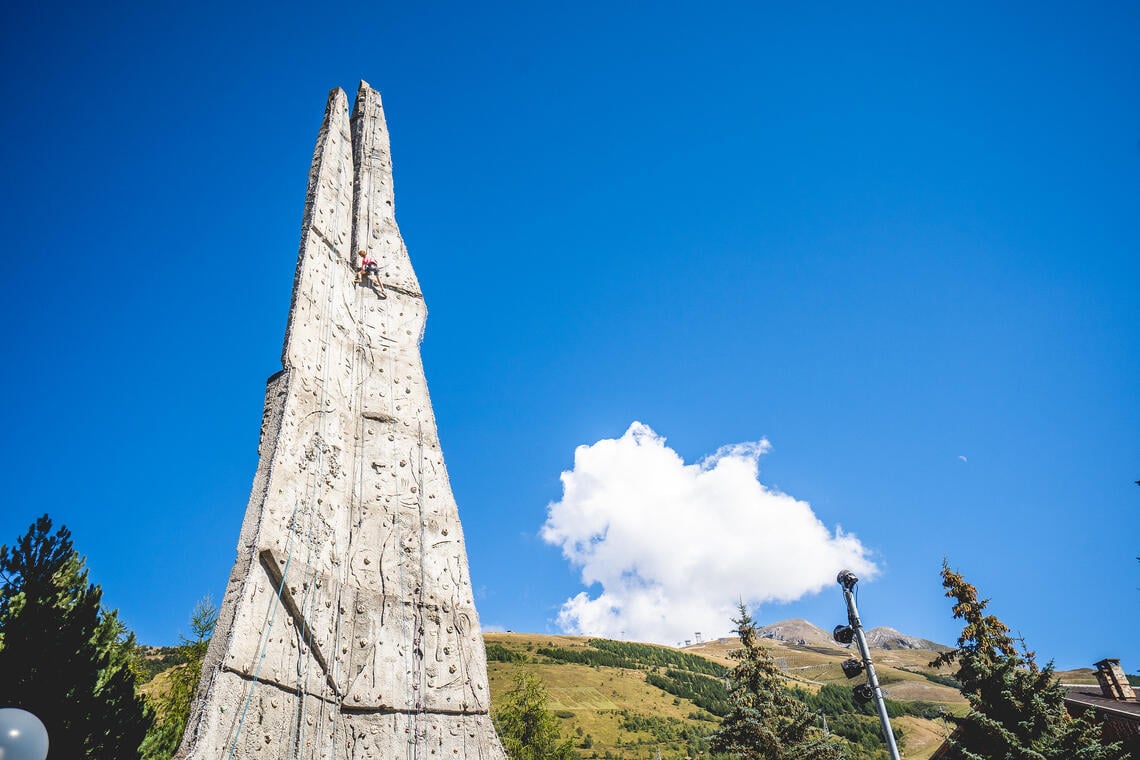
848,580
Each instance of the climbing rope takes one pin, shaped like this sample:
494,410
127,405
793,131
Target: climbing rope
267,626
356,378
271,614
397,535
303,662
317,471
316,474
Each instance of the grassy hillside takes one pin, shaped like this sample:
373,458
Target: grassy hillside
629,701
626,701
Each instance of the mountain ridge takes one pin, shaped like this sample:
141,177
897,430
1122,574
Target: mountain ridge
805,633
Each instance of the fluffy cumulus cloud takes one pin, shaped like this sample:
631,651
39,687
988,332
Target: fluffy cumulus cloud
673,546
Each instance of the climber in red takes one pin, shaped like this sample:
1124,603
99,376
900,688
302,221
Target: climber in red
370,269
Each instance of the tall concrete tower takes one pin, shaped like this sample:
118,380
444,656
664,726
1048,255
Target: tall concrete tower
348,628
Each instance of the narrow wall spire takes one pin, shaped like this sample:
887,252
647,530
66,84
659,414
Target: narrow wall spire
374,208
348,628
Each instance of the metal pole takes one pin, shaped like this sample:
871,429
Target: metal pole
848,581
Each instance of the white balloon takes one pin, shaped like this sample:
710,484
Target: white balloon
22,735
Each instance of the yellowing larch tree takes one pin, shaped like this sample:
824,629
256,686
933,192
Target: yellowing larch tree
1017,708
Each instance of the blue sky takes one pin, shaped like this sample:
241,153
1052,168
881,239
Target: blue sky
884,239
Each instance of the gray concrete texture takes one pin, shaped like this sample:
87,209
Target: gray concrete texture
348,628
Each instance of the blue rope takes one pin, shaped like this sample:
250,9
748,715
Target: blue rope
265,644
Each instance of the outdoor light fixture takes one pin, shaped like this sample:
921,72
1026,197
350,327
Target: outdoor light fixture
846,634
846,579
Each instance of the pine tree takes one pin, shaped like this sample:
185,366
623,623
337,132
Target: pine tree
766,721
526,728
1017,708
172,706
62,657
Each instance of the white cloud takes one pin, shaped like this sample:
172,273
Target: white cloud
674,546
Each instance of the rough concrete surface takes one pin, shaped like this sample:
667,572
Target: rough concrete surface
348,628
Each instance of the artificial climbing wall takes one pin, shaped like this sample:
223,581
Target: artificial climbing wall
348,628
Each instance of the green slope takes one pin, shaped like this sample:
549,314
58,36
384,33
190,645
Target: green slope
631,701
619,700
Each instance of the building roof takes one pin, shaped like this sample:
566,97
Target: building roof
1086,695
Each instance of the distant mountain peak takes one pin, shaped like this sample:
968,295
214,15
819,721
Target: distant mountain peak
883,637
796,631
801,632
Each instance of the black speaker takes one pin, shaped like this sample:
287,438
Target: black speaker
844,634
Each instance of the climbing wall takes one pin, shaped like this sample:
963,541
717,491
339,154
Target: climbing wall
348,628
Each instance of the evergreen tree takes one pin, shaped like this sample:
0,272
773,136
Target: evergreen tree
526,728
62,657
172,706
1017,708
766,721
